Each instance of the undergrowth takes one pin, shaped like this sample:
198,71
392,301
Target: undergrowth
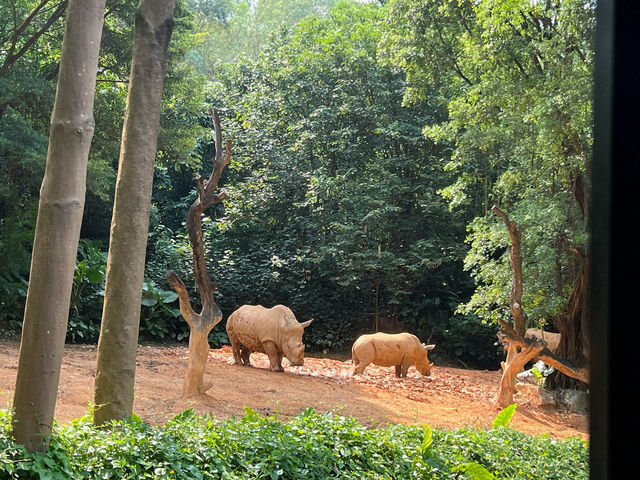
310,446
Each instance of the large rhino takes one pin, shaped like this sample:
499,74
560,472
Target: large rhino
274,331
385,350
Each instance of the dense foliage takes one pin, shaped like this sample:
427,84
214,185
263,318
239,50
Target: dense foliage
370,141
27,87
332,194
516,77
312,446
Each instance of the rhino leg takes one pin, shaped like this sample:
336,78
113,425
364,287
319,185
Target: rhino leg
359,367
398,370
275,358
237,355
245,353
404,368
358,362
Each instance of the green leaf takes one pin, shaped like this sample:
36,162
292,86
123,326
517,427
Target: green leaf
94,275
427,442
149,299
504,417
136,418
184,415
476,471
167,296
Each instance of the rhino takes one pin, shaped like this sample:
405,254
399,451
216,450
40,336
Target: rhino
552,339
274,331
385,350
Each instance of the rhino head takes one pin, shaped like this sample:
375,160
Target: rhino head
422,360
292,345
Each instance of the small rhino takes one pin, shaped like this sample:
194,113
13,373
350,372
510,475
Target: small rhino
274,331
385,350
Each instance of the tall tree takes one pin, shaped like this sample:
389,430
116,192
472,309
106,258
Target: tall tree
519,350
516,77
117,346
231,29
58,228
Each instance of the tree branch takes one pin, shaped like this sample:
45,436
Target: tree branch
183,297
12,57
207,195
544,354
515,258
18,29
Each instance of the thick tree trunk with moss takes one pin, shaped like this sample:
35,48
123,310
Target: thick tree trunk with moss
572,324
200,324
117,346
57,232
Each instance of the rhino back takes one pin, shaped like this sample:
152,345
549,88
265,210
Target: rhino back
386,349
252,325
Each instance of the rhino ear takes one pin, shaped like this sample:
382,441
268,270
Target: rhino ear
430,347
307,323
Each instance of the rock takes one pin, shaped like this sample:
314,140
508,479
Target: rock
547,398
576,401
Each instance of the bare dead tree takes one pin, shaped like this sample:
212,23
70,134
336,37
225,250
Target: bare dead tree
200,324
521,350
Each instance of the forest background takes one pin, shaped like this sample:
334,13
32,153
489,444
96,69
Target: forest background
370,140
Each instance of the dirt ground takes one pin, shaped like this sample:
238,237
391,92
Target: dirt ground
449,398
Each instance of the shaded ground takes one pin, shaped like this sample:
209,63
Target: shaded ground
449,398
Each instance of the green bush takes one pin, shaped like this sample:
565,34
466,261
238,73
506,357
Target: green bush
310,446
87,293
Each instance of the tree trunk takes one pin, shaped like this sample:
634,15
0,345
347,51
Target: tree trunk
55,245
515,259
517,357
519,350
116,363
200,324
520,355
573,326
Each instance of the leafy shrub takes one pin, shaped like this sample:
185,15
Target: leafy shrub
310,446
159,314
466,338
87,293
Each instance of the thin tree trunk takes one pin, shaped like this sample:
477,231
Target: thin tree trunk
517,357
117,346
55,245
200,324
515,259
